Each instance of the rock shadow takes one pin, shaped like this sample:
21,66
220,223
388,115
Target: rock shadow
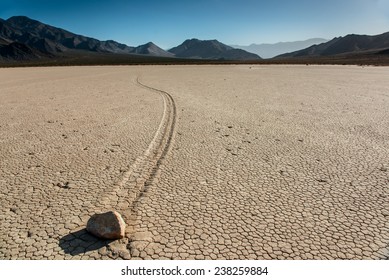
80,242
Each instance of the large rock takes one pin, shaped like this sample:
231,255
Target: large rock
109,225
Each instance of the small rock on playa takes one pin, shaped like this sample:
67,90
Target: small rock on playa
109,225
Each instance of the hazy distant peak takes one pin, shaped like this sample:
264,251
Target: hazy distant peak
272,50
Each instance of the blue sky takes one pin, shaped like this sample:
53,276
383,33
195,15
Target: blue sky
168,23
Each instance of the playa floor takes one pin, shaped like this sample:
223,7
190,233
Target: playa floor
203,162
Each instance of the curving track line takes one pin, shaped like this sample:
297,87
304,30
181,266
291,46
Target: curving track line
166,130
135,181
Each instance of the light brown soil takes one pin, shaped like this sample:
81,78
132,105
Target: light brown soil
204,162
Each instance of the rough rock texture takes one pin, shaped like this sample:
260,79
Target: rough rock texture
109,225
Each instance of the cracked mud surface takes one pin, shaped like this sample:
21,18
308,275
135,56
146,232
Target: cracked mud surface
204,162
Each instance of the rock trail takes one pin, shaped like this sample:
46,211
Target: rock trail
125,194
144,170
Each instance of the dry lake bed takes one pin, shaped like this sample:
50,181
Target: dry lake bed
203,162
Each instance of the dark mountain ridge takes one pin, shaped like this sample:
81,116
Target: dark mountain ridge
19,52
25,38
151,49
210,49
49,39
350,44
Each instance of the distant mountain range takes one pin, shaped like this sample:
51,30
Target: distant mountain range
350,44
272,50
22,38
